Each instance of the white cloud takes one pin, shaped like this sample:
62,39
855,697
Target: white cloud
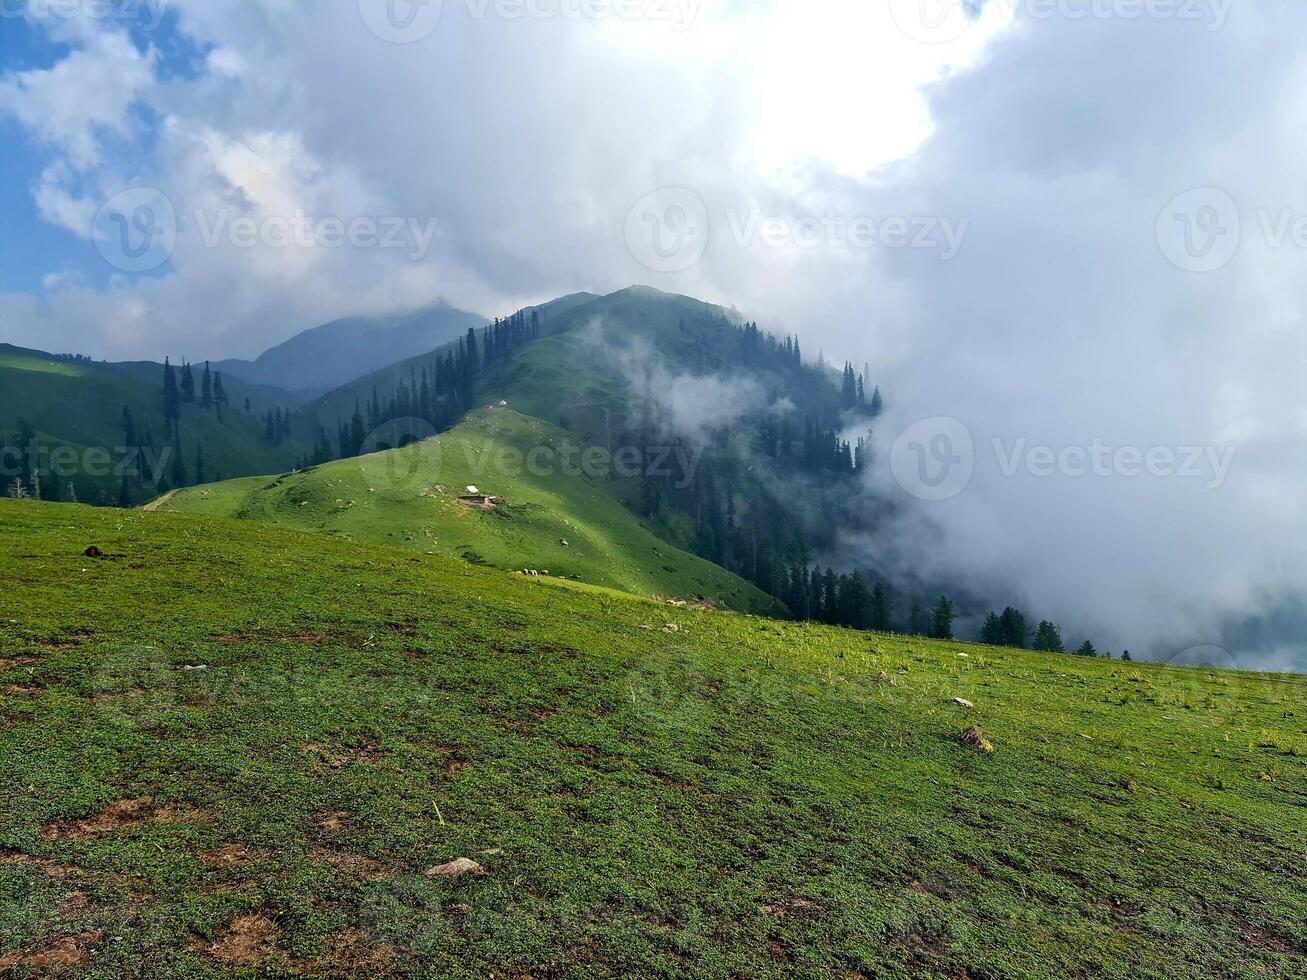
87,93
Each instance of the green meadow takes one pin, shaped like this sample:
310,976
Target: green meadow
236,749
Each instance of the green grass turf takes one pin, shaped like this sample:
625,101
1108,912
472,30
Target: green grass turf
409,497
652,791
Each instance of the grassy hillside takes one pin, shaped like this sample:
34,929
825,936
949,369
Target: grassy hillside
234,749
79,406
409,497
566,375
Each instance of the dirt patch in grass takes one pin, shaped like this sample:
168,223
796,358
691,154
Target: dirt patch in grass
415,655
109,697
19,690
332,823
228,856
338,757
563,653
67,641
1271,942
926,953
790,908
117,816
939,889
16,859
13,663
250,941
349,953
67,953
353,865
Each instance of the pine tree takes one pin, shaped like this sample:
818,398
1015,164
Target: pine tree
171,398
125,495
188,383
877,403
206,388
1087,650
27,453
1016,633
882,608
356,431
917,625
942,619
992,631
1048,639
1126,656
859,604
178,464
849,388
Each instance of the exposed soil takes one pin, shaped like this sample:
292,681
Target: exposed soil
249,941
349,953
338,757
67,953
354,865
121,815
229,856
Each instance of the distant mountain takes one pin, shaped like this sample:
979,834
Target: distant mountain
326,357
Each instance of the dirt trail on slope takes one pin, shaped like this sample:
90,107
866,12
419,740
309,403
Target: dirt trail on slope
154,505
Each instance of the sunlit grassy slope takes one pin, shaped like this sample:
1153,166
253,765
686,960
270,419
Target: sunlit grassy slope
230,748
553,519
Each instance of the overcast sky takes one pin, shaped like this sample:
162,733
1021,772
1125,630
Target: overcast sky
1066,230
